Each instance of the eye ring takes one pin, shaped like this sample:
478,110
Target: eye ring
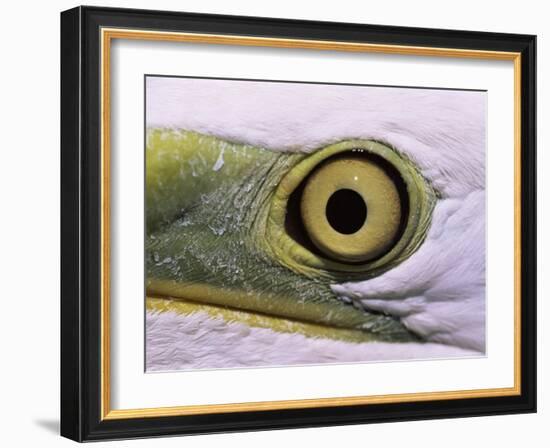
293,251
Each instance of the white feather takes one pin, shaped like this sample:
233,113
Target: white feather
439,292
443,131
199,341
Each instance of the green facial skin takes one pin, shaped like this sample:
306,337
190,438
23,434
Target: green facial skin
208,204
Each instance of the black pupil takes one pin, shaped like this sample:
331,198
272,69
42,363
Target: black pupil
346,211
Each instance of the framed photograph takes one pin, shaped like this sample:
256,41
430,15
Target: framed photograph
273,223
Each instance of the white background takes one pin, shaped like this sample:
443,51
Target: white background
29,333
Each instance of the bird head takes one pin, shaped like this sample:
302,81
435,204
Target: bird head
346,213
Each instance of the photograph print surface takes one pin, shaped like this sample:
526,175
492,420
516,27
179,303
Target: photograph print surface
304,223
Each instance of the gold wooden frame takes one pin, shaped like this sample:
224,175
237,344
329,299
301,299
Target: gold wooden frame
107,35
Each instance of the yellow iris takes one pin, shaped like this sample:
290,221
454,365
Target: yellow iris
351,209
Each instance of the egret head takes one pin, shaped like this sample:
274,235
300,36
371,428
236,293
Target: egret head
352,213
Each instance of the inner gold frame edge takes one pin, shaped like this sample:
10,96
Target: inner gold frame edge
107,35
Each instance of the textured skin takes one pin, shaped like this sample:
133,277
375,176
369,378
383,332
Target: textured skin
439,292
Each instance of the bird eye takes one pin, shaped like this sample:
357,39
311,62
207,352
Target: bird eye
349,209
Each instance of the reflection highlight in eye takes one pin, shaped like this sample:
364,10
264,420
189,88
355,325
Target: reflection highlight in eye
351,209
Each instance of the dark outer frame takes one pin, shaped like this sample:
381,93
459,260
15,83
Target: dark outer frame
81,224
